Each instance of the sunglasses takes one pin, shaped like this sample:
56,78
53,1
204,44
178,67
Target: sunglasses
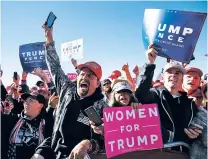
41,85
106,84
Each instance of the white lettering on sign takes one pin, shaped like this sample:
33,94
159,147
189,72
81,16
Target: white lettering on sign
128,142
129,114
34,55
141,140
174,30
111,145
119,115
131,141
129,128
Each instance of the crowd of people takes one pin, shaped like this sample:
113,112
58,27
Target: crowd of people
48,121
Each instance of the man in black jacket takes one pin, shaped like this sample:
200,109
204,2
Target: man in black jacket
72,135
175,108
22,133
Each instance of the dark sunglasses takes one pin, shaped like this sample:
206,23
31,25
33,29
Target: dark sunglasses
106,84
41,85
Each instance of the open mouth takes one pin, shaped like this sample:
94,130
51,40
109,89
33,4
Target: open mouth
84,85
123,99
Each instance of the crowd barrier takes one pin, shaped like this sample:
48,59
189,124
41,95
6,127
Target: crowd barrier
164,153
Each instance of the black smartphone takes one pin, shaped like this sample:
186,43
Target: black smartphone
93,116
196,126
15,75
50,20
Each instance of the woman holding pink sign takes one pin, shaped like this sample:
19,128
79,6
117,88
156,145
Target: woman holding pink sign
121,96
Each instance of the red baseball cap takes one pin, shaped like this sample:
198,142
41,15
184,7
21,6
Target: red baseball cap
157,84
95,67
115,74
194,69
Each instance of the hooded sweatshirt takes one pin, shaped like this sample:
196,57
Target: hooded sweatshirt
73,129
21,136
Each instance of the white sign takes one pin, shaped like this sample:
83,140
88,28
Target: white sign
73,49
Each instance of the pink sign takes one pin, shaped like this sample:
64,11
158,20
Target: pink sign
127,130
72,76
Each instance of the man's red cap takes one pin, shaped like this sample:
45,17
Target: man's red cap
194,69
157,84
95,67
115,74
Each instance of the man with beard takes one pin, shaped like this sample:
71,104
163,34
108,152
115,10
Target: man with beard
106,86
72,137
175,108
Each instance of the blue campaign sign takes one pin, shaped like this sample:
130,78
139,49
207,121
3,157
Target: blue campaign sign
32,56
174,33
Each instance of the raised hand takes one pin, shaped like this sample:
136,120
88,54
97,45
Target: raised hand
151,54
16,81
125,67
39,72
53,101
136,70
48,33
8,106
24,75
74,62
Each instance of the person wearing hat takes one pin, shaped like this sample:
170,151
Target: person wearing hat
40,84
115,74
72,135
121,96
106,87
22,133
175,108
191,84
191,79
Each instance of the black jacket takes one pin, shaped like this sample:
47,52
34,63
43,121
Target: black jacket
71,123
18,106
26,148
164,99
3,92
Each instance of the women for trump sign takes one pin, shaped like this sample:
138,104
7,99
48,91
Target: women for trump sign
127,130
